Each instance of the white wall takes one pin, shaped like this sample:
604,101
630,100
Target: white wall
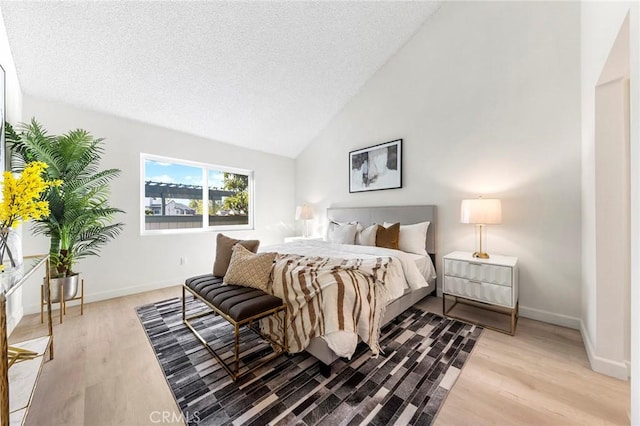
612,221
634,177
600,24
487,99
134,263
13,105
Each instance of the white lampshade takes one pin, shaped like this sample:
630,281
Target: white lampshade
485,211
304,213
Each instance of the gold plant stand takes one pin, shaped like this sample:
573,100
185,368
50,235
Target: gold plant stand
62,302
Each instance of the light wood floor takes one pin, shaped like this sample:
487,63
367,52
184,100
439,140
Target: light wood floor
105,373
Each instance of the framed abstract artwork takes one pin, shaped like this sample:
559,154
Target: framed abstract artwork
376,167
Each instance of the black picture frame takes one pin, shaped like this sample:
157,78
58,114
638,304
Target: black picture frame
376,167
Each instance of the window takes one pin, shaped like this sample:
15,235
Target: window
174,196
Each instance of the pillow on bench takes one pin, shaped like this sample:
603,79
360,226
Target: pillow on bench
248,269
224,246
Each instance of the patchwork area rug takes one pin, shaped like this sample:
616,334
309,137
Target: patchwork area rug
423,354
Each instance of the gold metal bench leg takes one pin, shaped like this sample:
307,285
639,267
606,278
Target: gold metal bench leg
237,348
285,340
184,304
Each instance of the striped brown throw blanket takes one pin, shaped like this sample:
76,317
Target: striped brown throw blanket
326,295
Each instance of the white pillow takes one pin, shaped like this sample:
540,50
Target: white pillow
413,238
343,233
333,224
366,236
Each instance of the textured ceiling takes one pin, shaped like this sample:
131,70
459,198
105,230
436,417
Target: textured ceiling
264,75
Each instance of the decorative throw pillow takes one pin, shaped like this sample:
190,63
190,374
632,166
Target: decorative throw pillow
388,237
224,246
248,269
333,224
413,238
366,236
343,234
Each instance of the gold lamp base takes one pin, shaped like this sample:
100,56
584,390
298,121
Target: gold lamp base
481,255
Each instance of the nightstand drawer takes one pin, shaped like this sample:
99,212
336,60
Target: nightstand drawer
476,271
481,291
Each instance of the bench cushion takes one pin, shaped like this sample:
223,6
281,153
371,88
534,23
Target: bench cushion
236,301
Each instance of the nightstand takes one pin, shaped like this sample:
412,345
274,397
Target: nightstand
485,283
300,238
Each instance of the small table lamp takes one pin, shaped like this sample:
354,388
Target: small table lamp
304,213
481,212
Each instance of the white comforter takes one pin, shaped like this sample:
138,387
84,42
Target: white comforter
403,272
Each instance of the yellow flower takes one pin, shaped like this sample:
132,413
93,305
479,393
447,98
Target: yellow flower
22,196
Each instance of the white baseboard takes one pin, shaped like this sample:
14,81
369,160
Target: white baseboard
110,294
550,317
612,368
618,369
14,319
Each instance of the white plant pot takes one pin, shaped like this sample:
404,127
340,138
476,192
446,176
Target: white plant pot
68,286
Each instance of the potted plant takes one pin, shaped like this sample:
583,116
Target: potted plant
80,221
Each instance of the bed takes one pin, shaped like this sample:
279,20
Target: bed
402,299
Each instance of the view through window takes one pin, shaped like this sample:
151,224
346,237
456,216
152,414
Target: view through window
174,195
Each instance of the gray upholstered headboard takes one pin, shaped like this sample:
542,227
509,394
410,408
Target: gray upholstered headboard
406,215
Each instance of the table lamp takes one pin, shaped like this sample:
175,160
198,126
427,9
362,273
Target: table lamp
304,213
481,212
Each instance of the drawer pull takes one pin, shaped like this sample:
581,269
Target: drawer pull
475,282
475,263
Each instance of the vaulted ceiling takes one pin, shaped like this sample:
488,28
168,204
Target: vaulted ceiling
263,75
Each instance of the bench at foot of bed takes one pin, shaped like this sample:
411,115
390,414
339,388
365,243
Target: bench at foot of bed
240,306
